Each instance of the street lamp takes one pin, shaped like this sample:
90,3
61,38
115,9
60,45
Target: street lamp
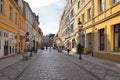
80,48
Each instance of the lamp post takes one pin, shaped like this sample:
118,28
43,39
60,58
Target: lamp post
80,48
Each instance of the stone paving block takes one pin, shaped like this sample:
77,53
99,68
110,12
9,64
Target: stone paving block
88,67
3,78
10,72
0,74
54,66
113,73
112,78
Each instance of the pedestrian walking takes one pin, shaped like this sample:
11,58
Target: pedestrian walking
46,47
79,50
68,50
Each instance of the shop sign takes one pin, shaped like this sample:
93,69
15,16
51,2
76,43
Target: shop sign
11,36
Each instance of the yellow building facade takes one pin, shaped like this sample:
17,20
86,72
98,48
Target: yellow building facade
101,24
12,24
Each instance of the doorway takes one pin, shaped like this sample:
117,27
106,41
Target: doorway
89,43
5,48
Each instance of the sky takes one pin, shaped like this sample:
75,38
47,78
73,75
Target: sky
49,12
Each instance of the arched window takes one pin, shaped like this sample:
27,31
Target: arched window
73,43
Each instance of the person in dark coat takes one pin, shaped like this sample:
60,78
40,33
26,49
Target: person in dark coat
79,50
68,50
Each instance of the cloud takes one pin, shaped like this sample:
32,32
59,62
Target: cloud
49,12
40,3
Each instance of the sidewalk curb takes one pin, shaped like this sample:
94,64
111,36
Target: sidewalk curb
98,63
4,57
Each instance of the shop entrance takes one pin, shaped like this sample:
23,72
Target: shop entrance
6,48
117,38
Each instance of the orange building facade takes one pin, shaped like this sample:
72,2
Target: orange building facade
12,27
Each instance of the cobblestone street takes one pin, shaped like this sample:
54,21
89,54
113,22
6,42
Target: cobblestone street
51,65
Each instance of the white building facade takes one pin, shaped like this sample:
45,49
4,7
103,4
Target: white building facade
29,23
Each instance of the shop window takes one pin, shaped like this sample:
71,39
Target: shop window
117,37
102,41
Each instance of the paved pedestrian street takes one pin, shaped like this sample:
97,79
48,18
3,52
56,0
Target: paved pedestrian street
53,65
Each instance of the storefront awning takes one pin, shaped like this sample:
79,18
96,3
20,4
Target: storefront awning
22,37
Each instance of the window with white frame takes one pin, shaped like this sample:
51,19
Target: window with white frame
89,13
102,7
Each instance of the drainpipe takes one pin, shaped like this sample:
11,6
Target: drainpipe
93,28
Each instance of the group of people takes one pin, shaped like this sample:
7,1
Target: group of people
47,47
79,49
60,48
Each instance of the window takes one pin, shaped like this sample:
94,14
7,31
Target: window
73,43
5,34
72,28
117,37
11,13
83,18
16,1
102,5
68,31
89,13
1,5
115,1
102,42
72,1
78,4
16,18
72,13
0,43
0,33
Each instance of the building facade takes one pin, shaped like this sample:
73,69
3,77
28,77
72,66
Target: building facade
107,29
99,32
29,25
100,22
35,37
66,33
40,38
15,23
10,14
